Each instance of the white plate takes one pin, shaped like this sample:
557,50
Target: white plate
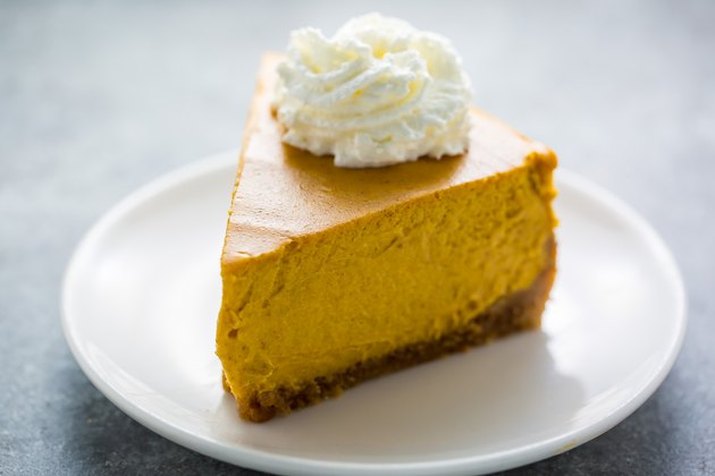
142,292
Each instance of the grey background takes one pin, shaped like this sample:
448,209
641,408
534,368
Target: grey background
97,99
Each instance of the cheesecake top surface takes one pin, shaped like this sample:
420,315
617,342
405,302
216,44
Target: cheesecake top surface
283,193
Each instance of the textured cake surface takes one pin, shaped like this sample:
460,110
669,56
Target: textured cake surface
331,275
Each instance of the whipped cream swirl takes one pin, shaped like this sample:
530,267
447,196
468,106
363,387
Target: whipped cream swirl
379,92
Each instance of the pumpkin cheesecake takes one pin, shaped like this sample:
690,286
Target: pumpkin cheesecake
334,273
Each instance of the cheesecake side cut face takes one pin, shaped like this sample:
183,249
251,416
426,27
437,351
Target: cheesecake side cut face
332,276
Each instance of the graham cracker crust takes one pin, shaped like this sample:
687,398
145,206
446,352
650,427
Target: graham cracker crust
517,312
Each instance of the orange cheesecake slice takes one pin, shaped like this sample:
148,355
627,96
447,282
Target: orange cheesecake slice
332,276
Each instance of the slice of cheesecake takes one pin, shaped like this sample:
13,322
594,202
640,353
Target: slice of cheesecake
332,276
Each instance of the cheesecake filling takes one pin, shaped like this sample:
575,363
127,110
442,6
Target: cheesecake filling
428,271
378,93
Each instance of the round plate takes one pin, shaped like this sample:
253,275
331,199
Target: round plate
142,292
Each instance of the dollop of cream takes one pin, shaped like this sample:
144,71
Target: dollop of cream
379,92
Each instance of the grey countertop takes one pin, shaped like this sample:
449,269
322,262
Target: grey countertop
99,98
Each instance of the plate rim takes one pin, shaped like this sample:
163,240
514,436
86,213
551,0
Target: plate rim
278,463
